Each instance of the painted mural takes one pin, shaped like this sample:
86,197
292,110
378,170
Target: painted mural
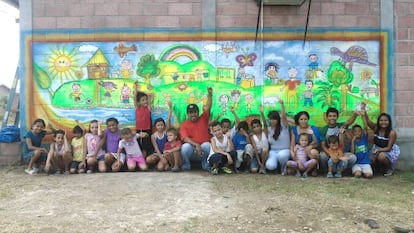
83,80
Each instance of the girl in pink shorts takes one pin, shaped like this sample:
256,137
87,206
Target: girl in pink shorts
134,154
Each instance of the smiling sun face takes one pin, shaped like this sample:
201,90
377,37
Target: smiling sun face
62,64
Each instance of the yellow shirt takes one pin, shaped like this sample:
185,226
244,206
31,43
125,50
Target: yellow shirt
77,145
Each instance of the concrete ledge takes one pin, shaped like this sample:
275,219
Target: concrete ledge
10,153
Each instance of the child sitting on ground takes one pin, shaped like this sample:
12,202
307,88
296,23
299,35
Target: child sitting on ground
172,150
133,152
33,153
337,163
260,144
301,162
359,147
59,156
243,146
222,153
78,150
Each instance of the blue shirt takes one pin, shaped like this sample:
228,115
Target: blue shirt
35,138
239,141
361,150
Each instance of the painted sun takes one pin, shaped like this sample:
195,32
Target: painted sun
62,64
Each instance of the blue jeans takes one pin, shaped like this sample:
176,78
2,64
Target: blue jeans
323,161
337,166
188,154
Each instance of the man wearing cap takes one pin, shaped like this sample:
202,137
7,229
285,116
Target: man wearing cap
195,134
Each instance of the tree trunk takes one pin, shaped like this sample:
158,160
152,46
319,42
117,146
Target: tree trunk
344,90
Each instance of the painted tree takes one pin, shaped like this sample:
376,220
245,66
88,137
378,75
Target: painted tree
340,76
148,68
327,95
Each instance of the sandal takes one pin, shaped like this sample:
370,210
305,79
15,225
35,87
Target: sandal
389,173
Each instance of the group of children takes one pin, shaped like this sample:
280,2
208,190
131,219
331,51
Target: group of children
233,149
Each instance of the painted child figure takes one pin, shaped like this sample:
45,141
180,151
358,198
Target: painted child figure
222,153
172,150
111,138
94,153
78,163
143,125
158,140
359,147
301,162
60,154
260,144
133,152
337,163
33,153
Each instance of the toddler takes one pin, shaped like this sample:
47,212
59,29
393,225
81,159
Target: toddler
133,152
301,162
172,150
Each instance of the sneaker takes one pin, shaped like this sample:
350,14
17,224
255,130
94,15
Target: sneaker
30,172
330,175
214,171
389,173
338,175
305,175
175,169
226,170
35,170
262,171
298,174
89,172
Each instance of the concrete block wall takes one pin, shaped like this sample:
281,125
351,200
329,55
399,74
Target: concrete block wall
176,14
10,153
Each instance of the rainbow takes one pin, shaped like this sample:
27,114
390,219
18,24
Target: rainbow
174,52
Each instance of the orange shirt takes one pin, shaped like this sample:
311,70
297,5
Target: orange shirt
338,152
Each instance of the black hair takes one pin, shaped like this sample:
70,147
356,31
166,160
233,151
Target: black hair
333,139
112,119
59,131
255,121
274,115
159,120
332,110
215,123
299,114
356,126
77,130
141,94
39,120
243,125
225,120
389,127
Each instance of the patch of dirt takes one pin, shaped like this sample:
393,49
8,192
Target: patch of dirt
199,202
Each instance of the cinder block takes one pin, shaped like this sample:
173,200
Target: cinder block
10,153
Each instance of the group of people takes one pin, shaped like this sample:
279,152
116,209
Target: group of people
260,146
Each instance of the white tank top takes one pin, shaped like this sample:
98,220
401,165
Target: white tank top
262,143
61,151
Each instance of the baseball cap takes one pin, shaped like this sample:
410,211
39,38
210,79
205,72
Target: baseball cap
192,108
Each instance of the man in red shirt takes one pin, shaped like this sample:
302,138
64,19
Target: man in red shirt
195,134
